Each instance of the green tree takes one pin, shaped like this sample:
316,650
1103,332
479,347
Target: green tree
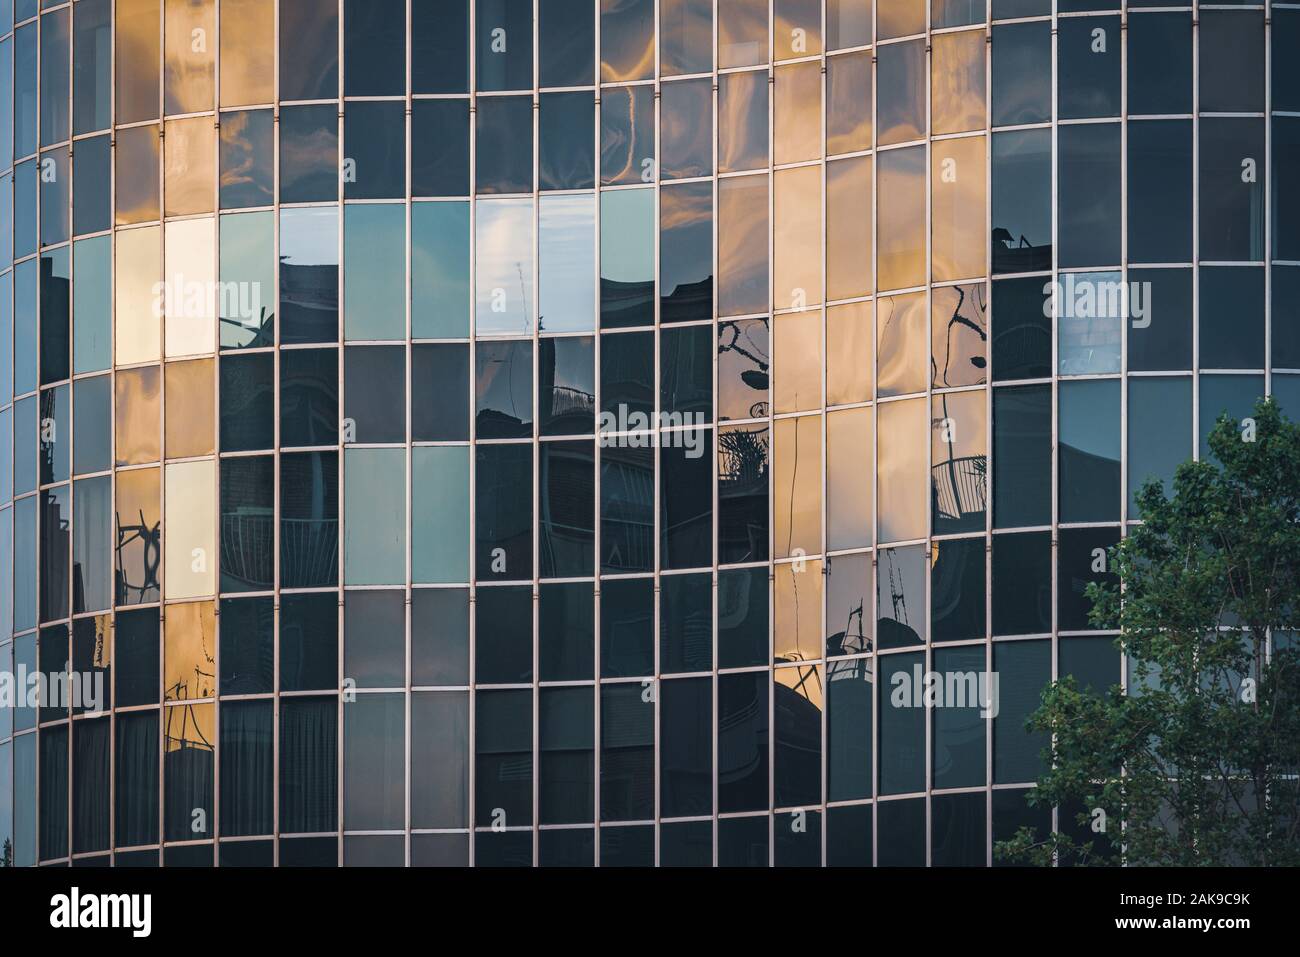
1197,764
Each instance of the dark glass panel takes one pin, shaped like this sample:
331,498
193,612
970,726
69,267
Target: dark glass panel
685,623
566,745
308,769
440,148
309,499
503,527
503,632
309,626
503,386
627,753
627,636
309,396
374,150
566,42
247,767
503,760
135,777
1232,317
374,638
504,29
566,508
505,144
957,836
247,646
440,636
1022,54
440,46
1083,554
309,50
902,725
1088,64
247,402
566,147
957,590
439,392
375,387
1022,456
374,47
1022,583
309,149
566,631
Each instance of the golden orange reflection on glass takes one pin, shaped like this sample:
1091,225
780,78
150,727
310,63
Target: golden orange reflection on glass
627,40
742,33
742,121
958,446
139,532
189,651
899,18
686,129
744,368
796,28
797,605
848,228
189,31
137,270
957,82
903,451
797,496
902,344
189,255
797,112
247,52
848,102
189,545
138,51
137,412
797,355
850,353
959,333
850,454
189,170
189,740
958,209
900,236
742,245
136,179
797,235
189,393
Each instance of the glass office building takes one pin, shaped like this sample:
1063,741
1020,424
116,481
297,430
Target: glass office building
445,432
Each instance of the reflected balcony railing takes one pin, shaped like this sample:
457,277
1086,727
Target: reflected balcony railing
960,489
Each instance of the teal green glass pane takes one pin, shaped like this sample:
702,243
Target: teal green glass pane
440,513
92,300
1159,432
1089,450
627,272
440,270
1234,394
374,271
374,517
247,301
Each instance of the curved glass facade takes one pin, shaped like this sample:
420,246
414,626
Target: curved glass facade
444,432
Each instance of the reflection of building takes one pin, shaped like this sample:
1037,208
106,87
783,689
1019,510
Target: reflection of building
824,284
